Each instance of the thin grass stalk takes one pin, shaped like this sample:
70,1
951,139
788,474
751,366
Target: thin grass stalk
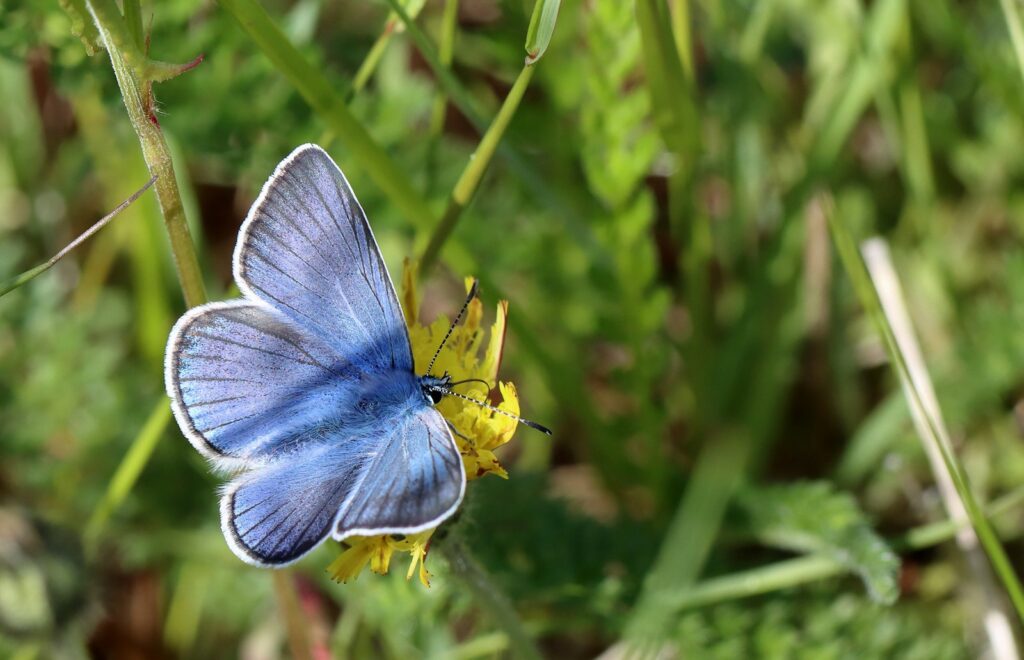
548,196
1013,23
291,612
869,298
127,473
680,11
445,54
996,621
373,58
18,280
376,52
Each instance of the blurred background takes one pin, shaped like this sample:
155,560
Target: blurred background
734,470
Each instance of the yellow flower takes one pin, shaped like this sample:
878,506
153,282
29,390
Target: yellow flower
484,430
376,551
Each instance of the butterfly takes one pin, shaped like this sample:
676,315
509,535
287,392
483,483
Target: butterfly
305,387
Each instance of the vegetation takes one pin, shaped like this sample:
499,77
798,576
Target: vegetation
770,438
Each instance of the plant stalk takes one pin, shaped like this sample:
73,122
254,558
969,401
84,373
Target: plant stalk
471,176
488,596
139,104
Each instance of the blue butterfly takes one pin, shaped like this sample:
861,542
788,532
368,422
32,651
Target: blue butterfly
305,387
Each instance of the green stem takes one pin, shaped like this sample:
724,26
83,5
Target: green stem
681,33
446,52
123,34
803,570
469,181
373,58
324,98
1013,23
855,268
129,470
488,596
138,102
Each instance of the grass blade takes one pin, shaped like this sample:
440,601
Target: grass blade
869,298
132,465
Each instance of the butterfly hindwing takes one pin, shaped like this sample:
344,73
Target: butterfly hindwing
407,481
415,481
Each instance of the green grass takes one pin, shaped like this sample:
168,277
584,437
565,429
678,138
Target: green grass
669,192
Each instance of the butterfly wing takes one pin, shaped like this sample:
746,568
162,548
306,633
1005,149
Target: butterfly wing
407,479
307,250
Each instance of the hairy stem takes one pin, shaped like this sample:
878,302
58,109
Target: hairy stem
488,596
138,102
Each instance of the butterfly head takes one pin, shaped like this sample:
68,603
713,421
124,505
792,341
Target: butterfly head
435,387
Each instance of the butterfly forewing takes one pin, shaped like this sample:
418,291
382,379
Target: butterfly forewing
247,383
307,250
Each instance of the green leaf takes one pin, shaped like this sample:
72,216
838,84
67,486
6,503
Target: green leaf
813,517
542,26
82,25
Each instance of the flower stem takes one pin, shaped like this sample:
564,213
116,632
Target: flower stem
288,601
154,149
488,596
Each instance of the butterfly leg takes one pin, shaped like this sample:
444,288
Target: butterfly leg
456,432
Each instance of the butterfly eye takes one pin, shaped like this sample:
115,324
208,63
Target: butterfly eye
435,395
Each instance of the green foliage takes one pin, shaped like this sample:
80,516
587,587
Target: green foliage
812,517
677,312
818,624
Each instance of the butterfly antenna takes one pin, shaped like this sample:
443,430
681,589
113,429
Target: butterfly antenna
471,380
484,404
451,328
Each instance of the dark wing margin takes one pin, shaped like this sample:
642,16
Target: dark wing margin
275,514
307,250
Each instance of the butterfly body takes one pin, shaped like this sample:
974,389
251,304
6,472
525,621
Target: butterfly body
304,389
